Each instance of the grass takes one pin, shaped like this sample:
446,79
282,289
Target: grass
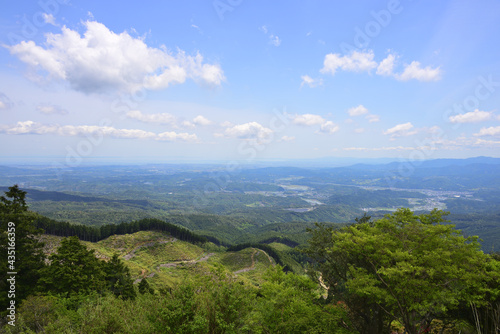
144,252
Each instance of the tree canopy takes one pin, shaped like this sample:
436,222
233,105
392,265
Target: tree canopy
410,267
20,250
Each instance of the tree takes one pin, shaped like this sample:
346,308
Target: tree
73,270
412,267
17,202
118,279
144,287
20,250
289,303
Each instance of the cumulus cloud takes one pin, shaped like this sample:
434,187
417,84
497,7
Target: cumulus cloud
49,18
201,120
329,127
312,119
364,62
360,111
31,127
355,62
226,124
101,61
415,71
372,118
357,111
287,138
386,66
471,117
173,136
400,130
49,109
307,80
159,118
308,119
491,131
251,130
198,120
274,40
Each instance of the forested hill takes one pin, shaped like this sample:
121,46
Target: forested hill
94,234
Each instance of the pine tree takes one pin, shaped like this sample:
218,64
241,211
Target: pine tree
20,250
73,269
118,279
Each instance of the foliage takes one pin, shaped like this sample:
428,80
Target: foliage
215,303
20,250
144,287
117,277
90,233
73,269
288,303
411,267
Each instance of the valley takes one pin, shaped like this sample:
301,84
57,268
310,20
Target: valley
236,206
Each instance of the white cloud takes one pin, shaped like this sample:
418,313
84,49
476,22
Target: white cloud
251,130
49,18
364,62
312,119
30,127
390,148
308,119
471,117
274,40
491,131
372,118
355,62
226,124
307,80
360,111
386,66
287,138
359,130
401,130
357,111
329,127
200,120
48,109
101,61
415,71
3,105
161,118
173,136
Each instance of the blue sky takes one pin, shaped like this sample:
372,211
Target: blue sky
249,80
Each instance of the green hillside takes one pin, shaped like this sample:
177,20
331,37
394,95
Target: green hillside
165,261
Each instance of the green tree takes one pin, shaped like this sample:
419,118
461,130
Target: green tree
215,303
289,303
144,287
73,269
117,276
414,268
20,249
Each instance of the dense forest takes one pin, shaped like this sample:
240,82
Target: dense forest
404,273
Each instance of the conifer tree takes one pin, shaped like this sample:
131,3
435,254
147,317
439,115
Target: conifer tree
118,279
21,252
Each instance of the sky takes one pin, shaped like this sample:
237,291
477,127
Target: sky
240,80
